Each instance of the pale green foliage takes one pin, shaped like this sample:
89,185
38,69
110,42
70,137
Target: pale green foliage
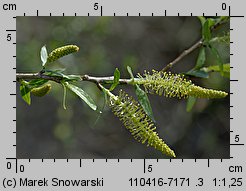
43,55
25,93
82,95
175,85
137,122
216,68
116,79
222,39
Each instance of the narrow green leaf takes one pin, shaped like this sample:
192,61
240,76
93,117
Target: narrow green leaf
116,79
206,33
201,58
218,58
25,94
190,103
211,22
144,101
226,74
102,109
130,72
58,73
82,94
36,83
202,19
43,55
73,77
216,68
221,39
197,73
224,18
55,73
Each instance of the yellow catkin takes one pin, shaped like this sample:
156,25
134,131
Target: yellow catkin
62,51
200,92
138,122
175,85
41,91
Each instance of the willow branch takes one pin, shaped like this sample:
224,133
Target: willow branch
104,80
58,79
32,76
183,54
195,46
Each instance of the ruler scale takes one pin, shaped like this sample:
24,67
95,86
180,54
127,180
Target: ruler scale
122,174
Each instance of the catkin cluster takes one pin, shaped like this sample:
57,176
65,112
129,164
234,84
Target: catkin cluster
62,51
138,122
175,85
42,90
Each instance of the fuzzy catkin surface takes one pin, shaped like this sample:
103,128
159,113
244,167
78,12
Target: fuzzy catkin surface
62,51
175,85
138,122
41,91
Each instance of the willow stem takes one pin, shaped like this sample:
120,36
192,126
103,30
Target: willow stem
183,54
195,46
58,79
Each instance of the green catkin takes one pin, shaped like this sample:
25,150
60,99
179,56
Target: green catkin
41,91
138,122
175,85
62,51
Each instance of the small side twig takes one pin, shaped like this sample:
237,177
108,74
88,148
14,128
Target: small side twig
183,54
195,46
